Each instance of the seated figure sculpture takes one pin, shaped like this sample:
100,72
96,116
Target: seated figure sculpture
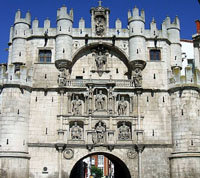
76,132
124,132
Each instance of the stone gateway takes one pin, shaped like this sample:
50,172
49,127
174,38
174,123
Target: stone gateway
68,93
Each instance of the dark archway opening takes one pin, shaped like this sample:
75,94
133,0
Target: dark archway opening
120,169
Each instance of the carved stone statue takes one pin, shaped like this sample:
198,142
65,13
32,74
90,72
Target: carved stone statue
76,106
100,60
124,132
100,101
100,25
62,77
100,133
76,132
122,106
137,77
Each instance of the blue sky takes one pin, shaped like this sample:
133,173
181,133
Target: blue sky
187,10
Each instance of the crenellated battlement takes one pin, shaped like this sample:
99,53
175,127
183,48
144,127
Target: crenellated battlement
62,14
190,78
172,25
19,19
9,75
136,15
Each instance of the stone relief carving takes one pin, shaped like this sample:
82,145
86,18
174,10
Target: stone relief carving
62,76
68,153
100,101
124,132
122,106
100,54
131,153
100,60
99,136
100,25
137,77
76,106
76,132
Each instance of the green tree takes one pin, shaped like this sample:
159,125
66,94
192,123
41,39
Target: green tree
97,171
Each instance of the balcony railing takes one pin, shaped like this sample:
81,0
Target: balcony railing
83,82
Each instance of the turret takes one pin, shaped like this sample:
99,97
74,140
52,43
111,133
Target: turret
185,114
64,35
19,34
14,114
137,44
173,30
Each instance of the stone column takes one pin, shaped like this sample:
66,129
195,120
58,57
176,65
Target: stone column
69,102
139,149
131,103
110,101
90,99
85,103
60,147
60,129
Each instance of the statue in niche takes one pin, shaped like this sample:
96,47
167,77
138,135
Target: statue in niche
100,101
122,106
76,106
124,132
100,60
137,77
62,77
76,132
100,25
99,137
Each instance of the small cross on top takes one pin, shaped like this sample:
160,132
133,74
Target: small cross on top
100,2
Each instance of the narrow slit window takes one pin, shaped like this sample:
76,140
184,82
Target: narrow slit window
182,112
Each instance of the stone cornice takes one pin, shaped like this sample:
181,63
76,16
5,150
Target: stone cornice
14,154
117,146
174,89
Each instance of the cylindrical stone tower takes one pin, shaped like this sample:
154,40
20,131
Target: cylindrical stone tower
173,30
14,119
19,33
64,35
137,43
185,158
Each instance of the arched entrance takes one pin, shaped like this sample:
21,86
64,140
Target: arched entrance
120,168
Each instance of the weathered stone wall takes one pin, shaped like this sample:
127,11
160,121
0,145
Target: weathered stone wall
38,109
